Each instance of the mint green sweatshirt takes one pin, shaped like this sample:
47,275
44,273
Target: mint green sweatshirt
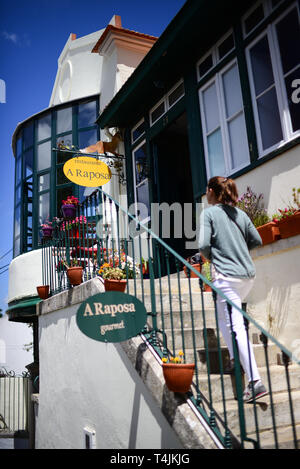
222,242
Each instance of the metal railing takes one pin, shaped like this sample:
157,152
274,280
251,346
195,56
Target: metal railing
183,316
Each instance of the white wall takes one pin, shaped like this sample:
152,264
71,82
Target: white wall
84,382
25,274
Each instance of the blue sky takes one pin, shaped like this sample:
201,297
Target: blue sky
32,35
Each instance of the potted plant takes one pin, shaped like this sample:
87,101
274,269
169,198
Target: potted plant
74,272
47,229
178,375
43,291
71,228
268,229
207,274
288,222
69,205
196,261
114,278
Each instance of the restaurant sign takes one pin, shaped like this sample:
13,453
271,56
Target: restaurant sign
111,317
87,171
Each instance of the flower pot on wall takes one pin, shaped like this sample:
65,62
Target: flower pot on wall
289,226
178,377
47,231
75,275
68,210
115,285
192,274
43,291
269,232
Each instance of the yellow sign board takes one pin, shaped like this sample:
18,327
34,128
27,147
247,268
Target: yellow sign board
87,171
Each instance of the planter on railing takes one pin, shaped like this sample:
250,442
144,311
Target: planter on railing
75,275
289,226
269,232
115,285
68,210
47,231
178,377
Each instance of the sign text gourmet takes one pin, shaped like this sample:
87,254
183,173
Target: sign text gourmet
87,171
111,317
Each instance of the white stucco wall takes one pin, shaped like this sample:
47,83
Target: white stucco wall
86,383
25,274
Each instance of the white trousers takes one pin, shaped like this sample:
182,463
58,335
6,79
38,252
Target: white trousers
236,290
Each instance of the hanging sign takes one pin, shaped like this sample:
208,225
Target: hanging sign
87,171
111,317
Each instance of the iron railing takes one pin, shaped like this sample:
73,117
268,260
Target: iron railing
183,316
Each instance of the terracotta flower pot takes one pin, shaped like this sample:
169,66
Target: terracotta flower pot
289,226
75,275
178,377
114,285
68,210
269,232
192,274
43,291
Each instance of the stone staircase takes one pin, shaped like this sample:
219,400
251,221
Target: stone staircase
175,299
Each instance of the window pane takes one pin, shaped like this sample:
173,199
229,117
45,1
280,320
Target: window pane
254,18
60,177
44,182
226,46
140,159
18,195
18,170
238,142
28,136
28,163
17,247
44,156
87,138
66,141
232,91
44,208
44,127
158,112
261,66
176,94
138,132
64,120
215,154
293,93
269,119
87,114
206,65
142,194
17,220
288,33
19,146
211,108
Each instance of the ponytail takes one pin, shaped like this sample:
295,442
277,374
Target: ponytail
225,190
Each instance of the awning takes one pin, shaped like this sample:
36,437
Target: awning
23,310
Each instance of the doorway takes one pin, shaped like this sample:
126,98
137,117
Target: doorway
173,180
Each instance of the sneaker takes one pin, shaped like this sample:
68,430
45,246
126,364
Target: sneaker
254,392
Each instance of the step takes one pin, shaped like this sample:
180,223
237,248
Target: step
285,438
278,382
165,285
263,410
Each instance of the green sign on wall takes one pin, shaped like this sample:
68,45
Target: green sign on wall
111,317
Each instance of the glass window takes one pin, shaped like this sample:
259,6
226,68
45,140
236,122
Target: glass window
141,181
28,136
60,177
44,182
223,122
87,114
18,195
44,127
254,18
17,220
28,163
176,94
17,246
64,120
44,208
18,164
205,65
43,156
158,112
226,46
66,142
19,146
138,131
87,138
